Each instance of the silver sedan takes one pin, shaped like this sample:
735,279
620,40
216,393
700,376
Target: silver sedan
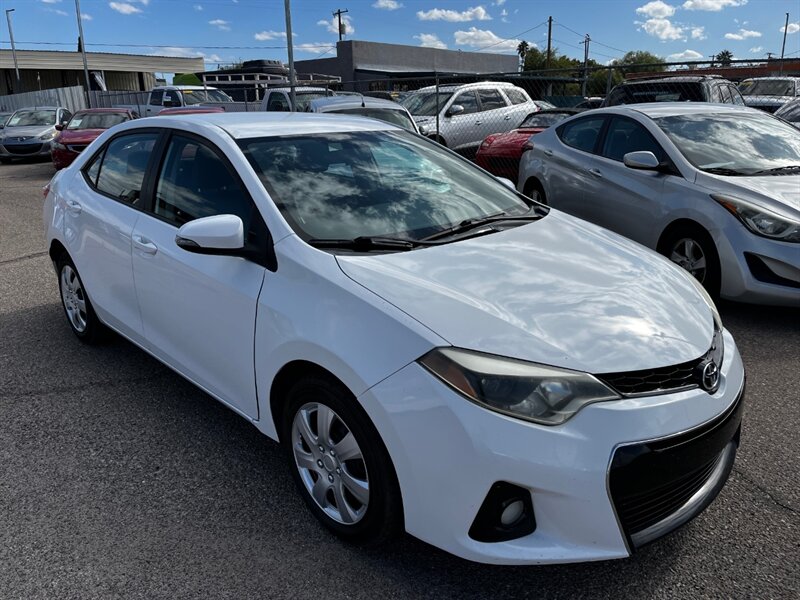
715,188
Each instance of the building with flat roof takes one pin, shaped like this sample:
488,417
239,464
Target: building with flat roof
361,64
47,69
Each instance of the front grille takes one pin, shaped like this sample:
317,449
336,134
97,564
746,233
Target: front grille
77,147
674,377
652,482
23,148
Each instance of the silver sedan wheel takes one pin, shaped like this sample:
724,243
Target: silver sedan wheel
330,463
688,254
74,299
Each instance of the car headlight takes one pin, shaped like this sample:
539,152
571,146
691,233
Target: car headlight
537,393
48,136
761,221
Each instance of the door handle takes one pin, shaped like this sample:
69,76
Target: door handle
144,245
547,152
72,206
507,118
596,172
478,122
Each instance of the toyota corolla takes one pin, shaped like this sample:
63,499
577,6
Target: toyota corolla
437,353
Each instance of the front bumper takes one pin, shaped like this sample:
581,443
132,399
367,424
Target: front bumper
449,452
27,149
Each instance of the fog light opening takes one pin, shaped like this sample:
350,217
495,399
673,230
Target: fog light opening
512,513
506,514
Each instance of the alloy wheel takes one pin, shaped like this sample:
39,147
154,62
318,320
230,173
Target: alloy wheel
330,463
689,254
74,299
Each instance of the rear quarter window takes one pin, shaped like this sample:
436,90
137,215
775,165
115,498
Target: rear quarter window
581,134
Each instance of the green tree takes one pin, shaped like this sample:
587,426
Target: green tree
640,60
724,58
522,49
186,79
536,60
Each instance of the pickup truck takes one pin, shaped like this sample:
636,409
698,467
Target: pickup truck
168,96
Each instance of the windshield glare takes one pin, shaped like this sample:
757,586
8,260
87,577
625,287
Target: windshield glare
374,183
96,120
388,115
424,104
191,97
767,87
32,118
741,142
303,99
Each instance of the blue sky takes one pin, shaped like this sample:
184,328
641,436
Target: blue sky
224,31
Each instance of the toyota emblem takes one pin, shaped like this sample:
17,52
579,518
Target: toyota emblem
710,377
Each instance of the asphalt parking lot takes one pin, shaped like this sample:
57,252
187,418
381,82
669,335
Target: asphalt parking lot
120,479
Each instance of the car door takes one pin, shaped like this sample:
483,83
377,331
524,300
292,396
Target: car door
100,214
625,200
566,158
461,130
494,116
199,310
156,103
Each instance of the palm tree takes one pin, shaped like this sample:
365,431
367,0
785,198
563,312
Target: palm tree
522,49
725,57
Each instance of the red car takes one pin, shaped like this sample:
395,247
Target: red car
500,153
190,110
82,129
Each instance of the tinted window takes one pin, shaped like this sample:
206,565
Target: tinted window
194,182
94,168
581,134
468,101
172,96
389,115
122,170
544,119
625,135
768,87
425,104
656,91
491,99
516,96
277,102
725,94
156,96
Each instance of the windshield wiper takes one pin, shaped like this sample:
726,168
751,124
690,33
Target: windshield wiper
724,171
778,170
366,243
468,224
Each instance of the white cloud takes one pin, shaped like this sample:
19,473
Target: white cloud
86,16
656,10
316,48
57,11
220,24
663,29
51,1
792,28
743,34
430,40
477,13
180,52
499,2
757,49
504,15
124,8
685,55
263,36
198,7
333,25
712,5
698,33
387,4
480,38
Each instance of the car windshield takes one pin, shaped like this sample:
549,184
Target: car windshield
734,144
303,99
544,119
25,118
656,91
191,97
389,115
96,120
767,87
374,183
424,104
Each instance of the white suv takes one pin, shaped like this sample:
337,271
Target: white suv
468,113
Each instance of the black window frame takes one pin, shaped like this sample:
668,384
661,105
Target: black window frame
496,91
600,135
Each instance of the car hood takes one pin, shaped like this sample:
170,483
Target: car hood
79,136
27,131
558,291
773,190
514,138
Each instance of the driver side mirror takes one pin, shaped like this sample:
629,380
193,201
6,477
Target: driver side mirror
641,160
455,109
59,127
217,234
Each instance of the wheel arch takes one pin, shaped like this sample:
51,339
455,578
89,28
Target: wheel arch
679,225
532,182
56,249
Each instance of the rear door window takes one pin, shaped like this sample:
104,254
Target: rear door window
123,166
516,96
156,97
581,134
491,100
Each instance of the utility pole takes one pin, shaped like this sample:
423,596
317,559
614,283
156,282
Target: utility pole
586,41
83,53
785,29
342,29
549,89
289,46
13,49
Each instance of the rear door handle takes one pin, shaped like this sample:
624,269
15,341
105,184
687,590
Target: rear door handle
547,152
596,172
478,122
73,207
507,118
144,245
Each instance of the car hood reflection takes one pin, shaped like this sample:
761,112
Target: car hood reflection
558,291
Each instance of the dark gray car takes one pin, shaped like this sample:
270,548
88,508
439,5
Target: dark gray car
29,132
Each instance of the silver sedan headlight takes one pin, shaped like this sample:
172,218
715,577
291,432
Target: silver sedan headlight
45,137
761,221
537,393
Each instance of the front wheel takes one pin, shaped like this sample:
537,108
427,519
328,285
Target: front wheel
693,250
340,464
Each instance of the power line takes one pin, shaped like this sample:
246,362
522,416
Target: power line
513,37
172,46
593,40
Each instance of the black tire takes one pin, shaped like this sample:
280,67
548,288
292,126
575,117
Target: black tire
693,240
535,191
382,519
92,331
5,160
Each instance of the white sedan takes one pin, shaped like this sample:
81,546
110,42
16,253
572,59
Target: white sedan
436,352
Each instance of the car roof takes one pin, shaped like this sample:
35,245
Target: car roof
39,108
182,87
241,125
299,89
675,79
84,111
336,102
671,109
462,86
774,77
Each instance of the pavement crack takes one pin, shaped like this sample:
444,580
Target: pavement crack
24,257
764,490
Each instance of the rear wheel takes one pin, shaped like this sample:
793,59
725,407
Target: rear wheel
77,307
535,191
340,464
692,249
